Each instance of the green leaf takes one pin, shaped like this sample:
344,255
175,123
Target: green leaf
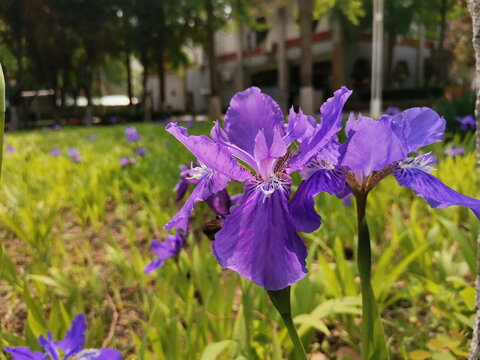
214,350
468,250
240,343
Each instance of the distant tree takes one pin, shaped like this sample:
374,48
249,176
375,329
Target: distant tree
308,11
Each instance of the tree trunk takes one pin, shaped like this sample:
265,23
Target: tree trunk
161,76
240,66
441,66
146,102
129,76
392,40
337,55
474,7
305,8
215,105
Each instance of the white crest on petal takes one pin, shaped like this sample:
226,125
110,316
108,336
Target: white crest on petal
269,186
87,354
314,165
198,172
421,162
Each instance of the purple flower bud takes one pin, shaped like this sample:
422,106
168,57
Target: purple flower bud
454,151
56,127
10,148
140,151
466,122
55,152
132,135
72,152
391,111
124,161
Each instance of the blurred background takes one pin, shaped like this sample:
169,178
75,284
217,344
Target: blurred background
86,61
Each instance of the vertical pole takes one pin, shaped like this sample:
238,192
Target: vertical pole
377,59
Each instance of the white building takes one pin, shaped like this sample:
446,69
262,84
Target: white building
247,57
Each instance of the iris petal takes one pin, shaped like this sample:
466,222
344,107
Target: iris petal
75,338
421,126
302,206
49,345
372,145
331,124
24,353
437,194
259,242
251,111
213,155
207,185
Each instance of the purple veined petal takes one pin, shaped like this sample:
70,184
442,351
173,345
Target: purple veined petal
100,354
299,127
219,136
74,340
209,184
210,153
49,345
320,176
266,156
330,125
421,126
258,240
24,353
220,202
249,112
371,145
331,151
414,173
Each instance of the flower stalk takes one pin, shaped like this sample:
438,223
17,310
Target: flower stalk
281,301
373,338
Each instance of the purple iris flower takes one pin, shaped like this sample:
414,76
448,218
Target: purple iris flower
258,239
92,137
55,152
166,249
72,152
125,161
132,134
10,148
392,110
374,150
454,151
56,127
140,151
77,158
71,346
466,122
113,120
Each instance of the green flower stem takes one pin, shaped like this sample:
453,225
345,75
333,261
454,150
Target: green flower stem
281,301
373,338
2,115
